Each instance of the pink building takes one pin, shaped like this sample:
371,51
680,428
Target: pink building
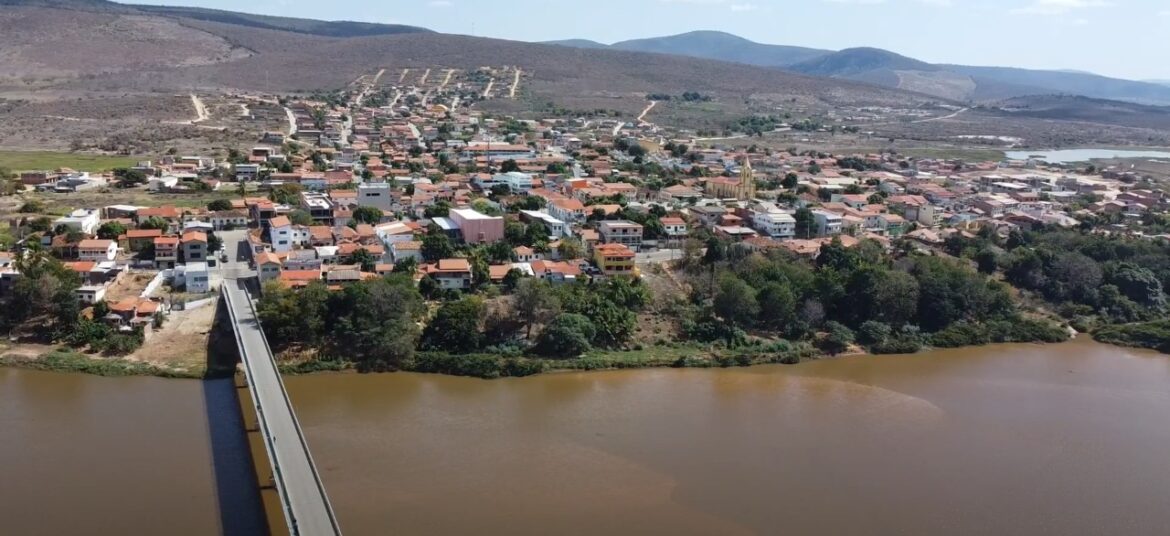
477,228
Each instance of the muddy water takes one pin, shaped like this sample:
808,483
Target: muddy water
119,456
1068,439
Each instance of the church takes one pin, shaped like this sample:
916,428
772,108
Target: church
743,189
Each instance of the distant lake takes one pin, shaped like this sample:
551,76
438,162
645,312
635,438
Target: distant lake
1066,156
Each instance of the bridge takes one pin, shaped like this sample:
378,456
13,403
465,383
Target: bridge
302,496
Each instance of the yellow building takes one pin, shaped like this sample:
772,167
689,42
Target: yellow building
615,260
743,189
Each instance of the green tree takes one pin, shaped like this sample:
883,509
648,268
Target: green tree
568,335
534,303
406,266
111,230
455,326
806,223
790,181
300,217
286,194
777,305
219,205
364,259
571,248
366,214
155,222
509,166
837,338
736,301
436,245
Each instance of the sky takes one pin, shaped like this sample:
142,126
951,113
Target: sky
1120,38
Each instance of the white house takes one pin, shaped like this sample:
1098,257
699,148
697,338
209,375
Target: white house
375,194
828,223
280,231
84,220
774,223
195,277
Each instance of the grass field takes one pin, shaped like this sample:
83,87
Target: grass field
47,160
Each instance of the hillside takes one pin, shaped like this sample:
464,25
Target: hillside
288,24
577,43
858,61
722,46
1084,109
885,68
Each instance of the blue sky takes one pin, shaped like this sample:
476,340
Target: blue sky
1122,38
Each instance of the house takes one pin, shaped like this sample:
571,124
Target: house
166,252
674,226
477,228
194,246
229,219
280,232
614,259
139,239
773,222
401,251
84,220
622,232
526,254
828,223
195,277
268,267
450,273
97,250
567,210
376,194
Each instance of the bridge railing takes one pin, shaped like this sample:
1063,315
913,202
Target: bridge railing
274,464
296,422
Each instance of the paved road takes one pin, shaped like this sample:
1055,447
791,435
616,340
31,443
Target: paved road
297,480
658,255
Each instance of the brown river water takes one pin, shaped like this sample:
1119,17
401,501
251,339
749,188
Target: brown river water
1016,439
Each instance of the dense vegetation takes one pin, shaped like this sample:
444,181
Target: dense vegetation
375,323
849,295
1095,281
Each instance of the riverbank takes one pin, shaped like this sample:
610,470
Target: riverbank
61,360
477,365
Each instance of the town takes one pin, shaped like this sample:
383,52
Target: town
413,179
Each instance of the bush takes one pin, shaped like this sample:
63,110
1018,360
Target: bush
897,345
873,332
568,335
1153,335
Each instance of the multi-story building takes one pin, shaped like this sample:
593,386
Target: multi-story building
97,250
194,246
774,223
622,232
477,228
166,252
376,194
615,260
828,223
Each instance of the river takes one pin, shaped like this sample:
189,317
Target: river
1072,156
1014,439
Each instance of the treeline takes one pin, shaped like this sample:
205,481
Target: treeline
852,295
1090,279
376,323
1097,282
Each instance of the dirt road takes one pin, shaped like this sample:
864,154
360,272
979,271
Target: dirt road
515,85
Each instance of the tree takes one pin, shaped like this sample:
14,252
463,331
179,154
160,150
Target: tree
568,335
286,194
571,248
214,242
790,181
806,223
111,230
364,259
987,260
436,245
534,303
837,339
873,332
736,302
408,265
219,205
455,326
128,178
367,214
154,222
777,305
509,166
300,217
440,209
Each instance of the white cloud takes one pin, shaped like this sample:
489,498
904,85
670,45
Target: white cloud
440,3
856,2
744,7
1164,13
1056,7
